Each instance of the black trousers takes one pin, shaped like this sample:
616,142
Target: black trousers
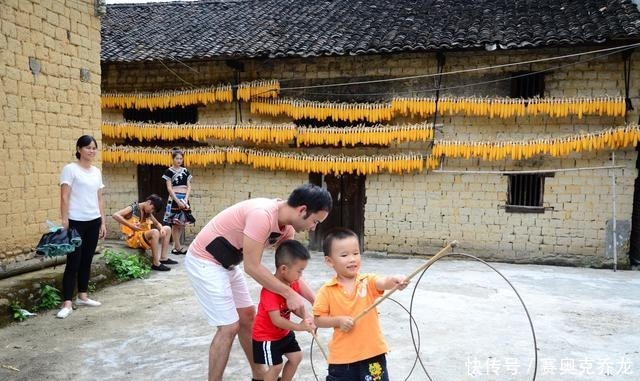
78,266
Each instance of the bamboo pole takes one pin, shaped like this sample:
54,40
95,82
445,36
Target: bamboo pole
425,266
324,354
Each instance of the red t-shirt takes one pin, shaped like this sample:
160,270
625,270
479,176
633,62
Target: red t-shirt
263,327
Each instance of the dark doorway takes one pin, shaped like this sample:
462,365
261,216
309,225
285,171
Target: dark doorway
150,181
348,193
150,176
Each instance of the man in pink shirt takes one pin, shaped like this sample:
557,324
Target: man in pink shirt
242,232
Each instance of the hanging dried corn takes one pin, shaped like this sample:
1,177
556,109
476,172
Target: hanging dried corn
610,139
509,107
248,91
301,109
375,135
167,99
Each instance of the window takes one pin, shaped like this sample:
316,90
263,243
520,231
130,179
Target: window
527,85
526,193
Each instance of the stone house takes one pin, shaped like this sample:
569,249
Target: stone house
553,201
49,96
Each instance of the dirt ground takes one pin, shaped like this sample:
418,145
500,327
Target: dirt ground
470,324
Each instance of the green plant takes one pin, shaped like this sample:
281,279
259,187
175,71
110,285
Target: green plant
125,265
18,312
49,298
92,287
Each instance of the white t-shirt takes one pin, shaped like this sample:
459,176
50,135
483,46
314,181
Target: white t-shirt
84,183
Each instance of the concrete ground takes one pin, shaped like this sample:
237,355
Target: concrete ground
470,323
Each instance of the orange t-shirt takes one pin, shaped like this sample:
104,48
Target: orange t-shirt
365,340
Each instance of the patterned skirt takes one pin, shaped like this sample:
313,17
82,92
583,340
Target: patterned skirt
173,215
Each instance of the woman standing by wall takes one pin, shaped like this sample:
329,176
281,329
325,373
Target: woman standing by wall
82,208
178,211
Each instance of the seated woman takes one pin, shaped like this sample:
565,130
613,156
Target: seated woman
135,222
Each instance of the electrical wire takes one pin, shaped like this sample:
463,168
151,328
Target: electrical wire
484,68
430,90
611,50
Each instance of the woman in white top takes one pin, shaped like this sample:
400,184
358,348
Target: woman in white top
82,209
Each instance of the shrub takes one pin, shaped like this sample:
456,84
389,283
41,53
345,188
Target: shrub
126,265
49,298
18,312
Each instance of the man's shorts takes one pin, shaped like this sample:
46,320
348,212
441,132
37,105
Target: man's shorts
218,290
271,352
137,241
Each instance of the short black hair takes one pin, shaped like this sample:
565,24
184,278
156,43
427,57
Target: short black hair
156,201
290,251
84,141
315,198
336,234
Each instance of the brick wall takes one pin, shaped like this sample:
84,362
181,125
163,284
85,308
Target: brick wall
213,189
418,213
43,114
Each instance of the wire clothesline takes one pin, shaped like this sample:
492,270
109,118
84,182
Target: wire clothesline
610,50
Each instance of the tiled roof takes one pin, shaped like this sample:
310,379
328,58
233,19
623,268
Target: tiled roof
289,28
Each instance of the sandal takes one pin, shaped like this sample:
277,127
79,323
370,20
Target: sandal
182,251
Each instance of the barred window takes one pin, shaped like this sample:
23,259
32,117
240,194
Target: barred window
526,193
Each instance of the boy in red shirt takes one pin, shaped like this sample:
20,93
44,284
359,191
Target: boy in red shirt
273,335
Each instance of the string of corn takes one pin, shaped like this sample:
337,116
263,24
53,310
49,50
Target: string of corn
271,133
301,109
202,96
325,164
258,89
610,139
510,107
272,160
263,133
376,135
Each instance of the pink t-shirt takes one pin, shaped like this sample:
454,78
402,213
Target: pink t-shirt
257,218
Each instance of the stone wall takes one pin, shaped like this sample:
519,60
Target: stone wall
49,96
418,213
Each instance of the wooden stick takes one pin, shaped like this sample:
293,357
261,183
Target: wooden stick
315,337
425,266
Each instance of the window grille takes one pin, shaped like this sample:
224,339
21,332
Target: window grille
526,193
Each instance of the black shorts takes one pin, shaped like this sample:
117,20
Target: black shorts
270,352
374,368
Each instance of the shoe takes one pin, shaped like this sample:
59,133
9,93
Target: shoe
169,261
64,312
88,303
162,267
182,251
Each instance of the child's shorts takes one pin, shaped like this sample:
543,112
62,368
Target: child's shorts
271,352
374,368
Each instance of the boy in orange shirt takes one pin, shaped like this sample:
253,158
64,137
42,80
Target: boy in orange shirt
273,335
357,349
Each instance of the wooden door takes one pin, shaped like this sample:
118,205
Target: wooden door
348,193
150,181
